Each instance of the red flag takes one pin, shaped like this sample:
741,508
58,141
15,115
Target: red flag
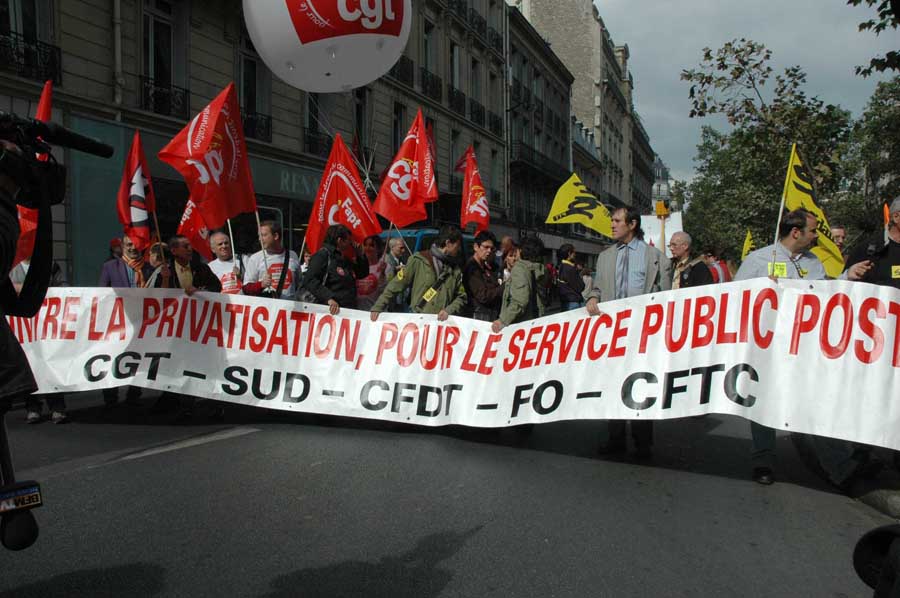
194,228
136,200
211,155
432,194
28,217
410,179
341,199
463,161
474,205
44,110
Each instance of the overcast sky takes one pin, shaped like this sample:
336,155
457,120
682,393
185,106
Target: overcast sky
666,36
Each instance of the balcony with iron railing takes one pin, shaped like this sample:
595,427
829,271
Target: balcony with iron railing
523,153
538,110
459,8
495,39
404,71
478,24
495,124
496,197
476,112
457,100
432,86
456,183
30,58
316,143
165,99
257,125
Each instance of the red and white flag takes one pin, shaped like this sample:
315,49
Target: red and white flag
211,155
474,204
135,200
341,199
28,217
194,228
409,183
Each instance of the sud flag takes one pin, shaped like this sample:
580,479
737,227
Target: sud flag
136,200
28,217
341,199
194,228
211,155
474,205
799,192
749,245
575,204
410,179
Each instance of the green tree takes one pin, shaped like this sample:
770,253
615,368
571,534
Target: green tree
886,18
740,175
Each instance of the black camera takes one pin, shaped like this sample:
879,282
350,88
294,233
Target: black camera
36,175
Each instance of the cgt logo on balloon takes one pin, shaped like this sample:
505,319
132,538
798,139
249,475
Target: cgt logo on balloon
329,46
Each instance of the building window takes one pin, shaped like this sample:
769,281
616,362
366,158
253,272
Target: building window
255,79
475,89
455,152
455,66
164,36
429,57
398,130
495,171
29,18
360,116
312,112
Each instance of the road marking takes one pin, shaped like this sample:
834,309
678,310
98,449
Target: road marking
190,442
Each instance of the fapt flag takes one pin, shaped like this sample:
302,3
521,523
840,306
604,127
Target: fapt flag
574,204
409,183
341,199
135,200
28,217
799,193
749,245
211,155
194,228
474,204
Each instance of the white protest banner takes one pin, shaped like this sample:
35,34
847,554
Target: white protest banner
816,357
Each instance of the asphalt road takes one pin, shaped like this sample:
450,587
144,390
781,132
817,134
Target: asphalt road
272,504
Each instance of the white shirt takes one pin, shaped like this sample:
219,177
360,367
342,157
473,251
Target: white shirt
256,268
224,271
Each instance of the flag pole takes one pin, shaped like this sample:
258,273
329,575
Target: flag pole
787,180
400,235
158,232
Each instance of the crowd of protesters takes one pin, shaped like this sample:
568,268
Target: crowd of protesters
504,283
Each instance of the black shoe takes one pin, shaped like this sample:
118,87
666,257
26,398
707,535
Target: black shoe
643,453
612,449
764,476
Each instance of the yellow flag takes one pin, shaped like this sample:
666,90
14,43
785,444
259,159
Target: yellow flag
574,204
798,193
749,245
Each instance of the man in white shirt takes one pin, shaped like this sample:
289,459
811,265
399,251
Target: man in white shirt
226,266
264,268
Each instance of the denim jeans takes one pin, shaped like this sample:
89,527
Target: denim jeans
572,305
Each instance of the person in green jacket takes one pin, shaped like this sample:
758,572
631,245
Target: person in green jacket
434,277
522,298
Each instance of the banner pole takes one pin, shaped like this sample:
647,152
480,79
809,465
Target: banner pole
158,232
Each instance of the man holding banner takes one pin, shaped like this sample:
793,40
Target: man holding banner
628,269
791,258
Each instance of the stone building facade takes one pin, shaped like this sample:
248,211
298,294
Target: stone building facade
602,94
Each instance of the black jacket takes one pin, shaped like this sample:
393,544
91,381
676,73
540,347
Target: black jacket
569,283
332,276
884,257
203,277
483,289
696,274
